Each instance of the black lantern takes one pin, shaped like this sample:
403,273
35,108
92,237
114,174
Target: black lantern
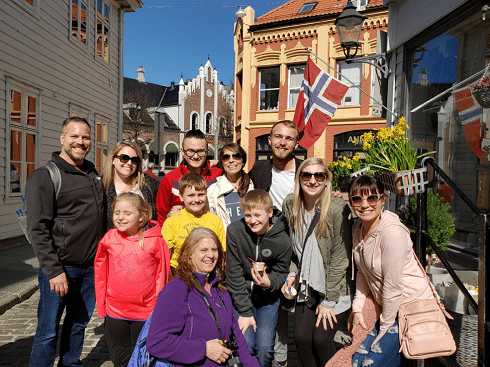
349,26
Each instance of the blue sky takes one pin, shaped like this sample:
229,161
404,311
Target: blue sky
170,37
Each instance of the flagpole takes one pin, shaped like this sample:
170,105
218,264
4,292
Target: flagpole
338,72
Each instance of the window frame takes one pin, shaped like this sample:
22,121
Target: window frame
307,7
99,17
31,9
194,113
351,87
291,88
101,146
78,38
26,91
208,118
269,89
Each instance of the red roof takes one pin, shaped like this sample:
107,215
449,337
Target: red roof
290,10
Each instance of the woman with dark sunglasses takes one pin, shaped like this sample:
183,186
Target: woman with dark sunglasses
123,172
321,262
387,268
225,194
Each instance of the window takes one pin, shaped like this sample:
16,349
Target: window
307,7
79,20
269,89
79,111
23,119
296,76
351,75
101,142
209,118
194,121
103,25
30,6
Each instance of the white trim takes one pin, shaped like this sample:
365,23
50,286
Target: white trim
32,10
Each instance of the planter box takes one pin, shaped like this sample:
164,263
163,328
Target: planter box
406,183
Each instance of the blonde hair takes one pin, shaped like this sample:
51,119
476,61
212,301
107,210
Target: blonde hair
143,208
298,213
185,268
256,199
108,175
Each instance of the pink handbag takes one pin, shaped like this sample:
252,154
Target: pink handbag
422,327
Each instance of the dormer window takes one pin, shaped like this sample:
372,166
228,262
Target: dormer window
307,7
360,4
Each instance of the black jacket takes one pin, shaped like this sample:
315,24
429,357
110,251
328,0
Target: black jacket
261,173
65,231
274,249
149,190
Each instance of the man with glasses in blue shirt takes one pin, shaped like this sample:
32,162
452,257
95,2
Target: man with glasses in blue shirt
195,150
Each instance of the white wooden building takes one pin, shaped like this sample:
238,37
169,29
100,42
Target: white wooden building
58,58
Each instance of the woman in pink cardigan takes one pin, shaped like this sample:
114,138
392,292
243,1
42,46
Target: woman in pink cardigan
387,269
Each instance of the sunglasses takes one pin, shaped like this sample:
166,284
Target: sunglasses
226,157
124,158
372,200
319,176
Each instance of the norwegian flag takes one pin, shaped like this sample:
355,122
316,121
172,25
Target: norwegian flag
318,99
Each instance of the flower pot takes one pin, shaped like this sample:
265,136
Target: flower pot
482,96
406,183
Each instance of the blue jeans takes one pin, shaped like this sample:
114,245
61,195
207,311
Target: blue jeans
261,342
79,304
383,354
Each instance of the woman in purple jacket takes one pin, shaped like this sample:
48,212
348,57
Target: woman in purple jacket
193,320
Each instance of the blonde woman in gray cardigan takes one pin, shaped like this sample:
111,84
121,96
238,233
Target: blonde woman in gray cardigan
325,290
224,195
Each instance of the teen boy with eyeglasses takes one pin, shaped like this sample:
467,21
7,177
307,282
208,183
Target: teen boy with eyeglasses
195,150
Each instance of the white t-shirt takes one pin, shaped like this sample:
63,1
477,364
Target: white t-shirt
281,186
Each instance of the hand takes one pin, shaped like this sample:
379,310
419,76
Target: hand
216,352
287,286
261,280
338,194
59,284
245,322
356,319
175,210
325,314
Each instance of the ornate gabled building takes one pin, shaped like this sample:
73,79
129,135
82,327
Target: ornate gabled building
270,59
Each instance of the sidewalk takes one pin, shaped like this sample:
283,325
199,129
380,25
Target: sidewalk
18,272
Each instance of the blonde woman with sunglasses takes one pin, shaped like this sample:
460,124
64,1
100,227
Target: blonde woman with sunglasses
123,172
225,194
321,262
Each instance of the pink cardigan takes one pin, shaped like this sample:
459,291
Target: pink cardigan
388,269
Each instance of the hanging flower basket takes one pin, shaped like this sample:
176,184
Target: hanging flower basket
405,183
481,90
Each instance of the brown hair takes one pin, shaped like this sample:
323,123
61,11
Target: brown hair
366,185
298,212
244,181
185,270
74,119
257,199
287,123
108,175
143,208
192,180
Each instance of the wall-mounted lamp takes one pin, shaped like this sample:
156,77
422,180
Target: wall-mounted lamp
349,27
240,13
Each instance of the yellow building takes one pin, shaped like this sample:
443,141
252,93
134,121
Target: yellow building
270,59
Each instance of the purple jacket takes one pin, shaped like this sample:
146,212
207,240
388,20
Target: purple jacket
181,324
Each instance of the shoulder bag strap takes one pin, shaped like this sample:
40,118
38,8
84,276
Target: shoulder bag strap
314,222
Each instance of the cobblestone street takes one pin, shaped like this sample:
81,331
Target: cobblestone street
17,328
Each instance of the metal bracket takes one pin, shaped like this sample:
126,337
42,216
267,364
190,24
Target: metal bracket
381,62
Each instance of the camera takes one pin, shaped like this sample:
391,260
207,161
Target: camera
233,360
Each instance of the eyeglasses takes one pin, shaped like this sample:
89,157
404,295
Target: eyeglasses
200,153
226,157
319,176
124,158
372,200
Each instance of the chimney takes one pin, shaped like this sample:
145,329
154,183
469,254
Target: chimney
172,85
141,74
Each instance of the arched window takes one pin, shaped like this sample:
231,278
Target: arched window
194,121
208,122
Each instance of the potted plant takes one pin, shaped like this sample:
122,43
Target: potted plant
481,91
440,223
390,150
344,169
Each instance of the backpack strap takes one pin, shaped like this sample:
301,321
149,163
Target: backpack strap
54,172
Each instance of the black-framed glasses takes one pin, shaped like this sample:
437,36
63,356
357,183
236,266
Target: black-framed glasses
226,157
319,176
200,153
372,200
124,158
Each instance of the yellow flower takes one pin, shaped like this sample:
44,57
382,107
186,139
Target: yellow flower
342,165
356,157
349,166
366,145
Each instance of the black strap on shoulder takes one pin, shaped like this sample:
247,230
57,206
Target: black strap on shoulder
314,222
210,309
54,173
